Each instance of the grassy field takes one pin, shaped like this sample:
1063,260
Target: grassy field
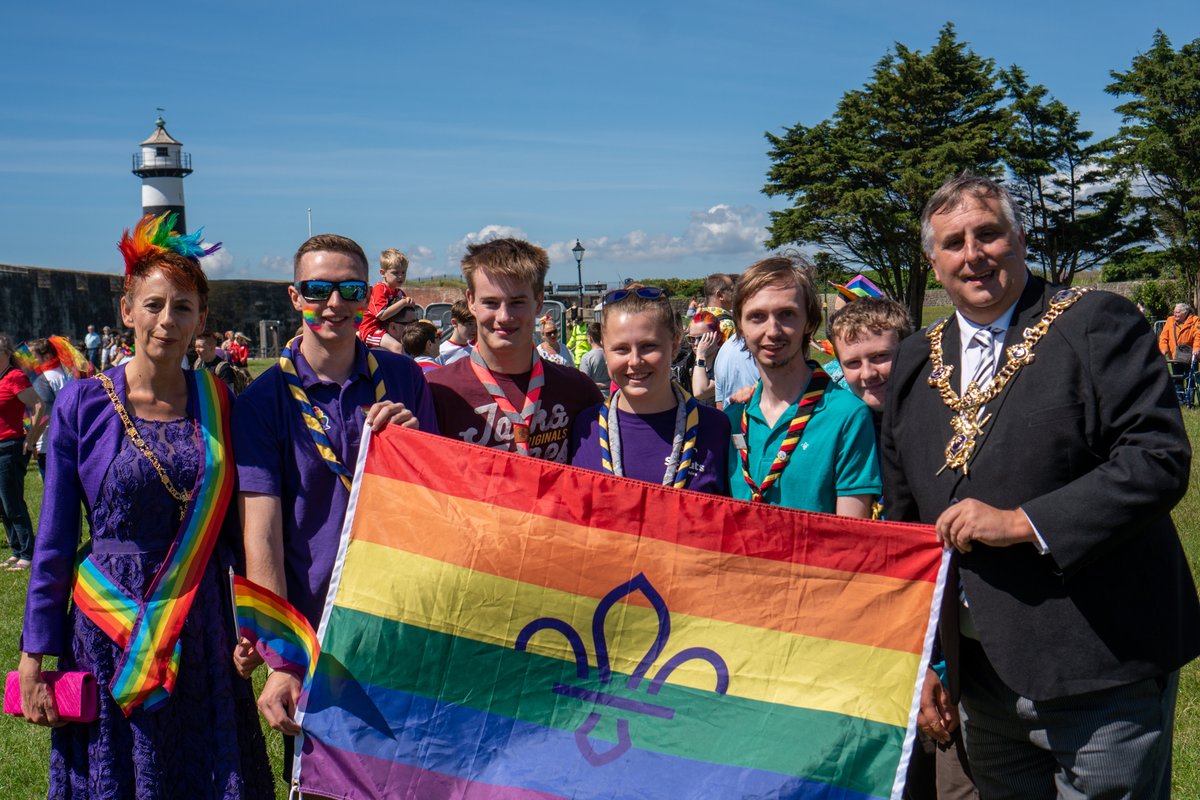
24,748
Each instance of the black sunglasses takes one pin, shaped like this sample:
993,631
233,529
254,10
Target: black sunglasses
644,292
354,291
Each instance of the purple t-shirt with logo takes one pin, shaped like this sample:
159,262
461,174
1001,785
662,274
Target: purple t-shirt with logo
276,456
646,446
466,411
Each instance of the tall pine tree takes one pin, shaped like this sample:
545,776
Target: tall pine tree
858,181
1158,146
1076,216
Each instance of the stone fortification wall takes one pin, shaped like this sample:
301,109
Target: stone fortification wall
36,301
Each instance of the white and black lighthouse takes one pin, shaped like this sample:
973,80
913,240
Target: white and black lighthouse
162,165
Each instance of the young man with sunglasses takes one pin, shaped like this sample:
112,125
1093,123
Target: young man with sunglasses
504,395
293,497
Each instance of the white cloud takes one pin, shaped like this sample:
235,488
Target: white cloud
455,251
720,230
275,268
219,265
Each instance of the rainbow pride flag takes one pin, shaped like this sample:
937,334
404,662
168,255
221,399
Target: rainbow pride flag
501,627
280,633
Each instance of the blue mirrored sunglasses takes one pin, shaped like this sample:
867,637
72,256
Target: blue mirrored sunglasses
644,292
354,291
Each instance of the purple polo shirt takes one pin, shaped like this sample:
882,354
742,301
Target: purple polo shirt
276,456
646,446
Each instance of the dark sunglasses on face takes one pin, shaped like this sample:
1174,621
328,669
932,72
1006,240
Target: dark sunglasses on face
354,291
644,292
549,333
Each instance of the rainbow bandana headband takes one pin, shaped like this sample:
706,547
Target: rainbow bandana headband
287,365
148,631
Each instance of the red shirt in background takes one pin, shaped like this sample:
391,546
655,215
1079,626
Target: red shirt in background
372,330
12,409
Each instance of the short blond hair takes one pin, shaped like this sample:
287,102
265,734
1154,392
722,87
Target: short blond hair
874,314
392,259
515,259
780,271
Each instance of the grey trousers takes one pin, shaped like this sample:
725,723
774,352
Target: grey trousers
1103,745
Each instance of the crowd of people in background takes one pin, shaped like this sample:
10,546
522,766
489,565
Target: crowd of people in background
726,397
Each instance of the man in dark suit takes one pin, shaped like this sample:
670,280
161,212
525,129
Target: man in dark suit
1037,429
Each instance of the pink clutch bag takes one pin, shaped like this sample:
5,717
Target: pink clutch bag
76,695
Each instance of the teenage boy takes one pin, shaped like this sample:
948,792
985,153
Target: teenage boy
866,335
462,334
504,395
393,271
802,441
293,499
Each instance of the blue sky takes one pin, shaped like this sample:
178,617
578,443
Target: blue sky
637,127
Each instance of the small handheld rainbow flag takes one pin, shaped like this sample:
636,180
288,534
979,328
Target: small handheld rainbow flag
280,633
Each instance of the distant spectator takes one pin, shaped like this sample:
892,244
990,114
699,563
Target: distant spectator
462,333
16,395
124,349
106,344
705,337
718,299
52,376
395,320
239,353
593,364
552,348
91,343
421,344
1180,337
393,269
208,358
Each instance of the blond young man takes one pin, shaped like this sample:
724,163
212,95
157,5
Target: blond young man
834,468
504,395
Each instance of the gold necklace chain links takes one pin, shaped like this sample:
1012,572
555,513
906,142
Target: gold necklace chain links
966,423
183,497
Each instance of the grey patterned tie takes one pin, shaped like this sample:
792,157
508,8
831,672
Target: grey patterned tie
984,338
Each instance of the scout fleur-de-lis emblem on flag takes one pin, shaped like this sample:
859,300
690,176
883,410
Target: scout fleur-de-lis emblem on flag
621,703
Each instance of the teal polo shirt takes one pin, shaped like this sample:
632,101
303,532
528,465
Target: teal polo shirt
836,455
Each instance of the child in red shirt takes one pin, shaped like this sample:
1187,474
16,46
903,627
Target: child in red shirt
393,268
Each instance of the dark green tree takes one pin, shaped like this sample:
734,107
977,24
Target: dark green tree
858,181
1076,216
1158,145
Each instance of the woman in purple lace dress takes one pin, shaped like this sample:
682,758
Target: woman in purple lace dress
205,740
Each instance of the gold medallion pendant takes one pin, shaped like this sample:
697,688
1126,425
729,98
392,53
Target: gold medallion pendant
969,420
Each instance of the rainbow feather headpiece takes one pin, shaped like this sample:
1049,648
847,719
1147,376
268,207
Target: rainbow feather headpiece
153,235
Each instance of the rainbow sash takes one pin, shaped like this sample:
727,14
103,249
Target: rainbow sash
148,631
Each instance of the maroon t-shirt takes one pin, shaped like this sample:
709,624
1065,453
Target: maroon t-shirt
12,410
466,411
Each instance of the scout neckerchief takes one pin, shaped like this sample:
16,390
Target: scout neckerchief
968,421
683,442
520,422
148,630
817,385
317,431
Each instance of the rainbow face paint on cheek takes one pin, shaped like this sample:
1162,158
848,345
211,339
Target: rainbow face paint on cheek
311,319
358,319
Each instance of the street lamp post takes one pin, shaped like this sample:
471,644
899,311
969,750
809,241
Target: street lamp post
578,251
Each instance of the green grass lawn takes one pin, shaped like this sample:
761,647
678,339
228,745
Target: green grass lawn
24,748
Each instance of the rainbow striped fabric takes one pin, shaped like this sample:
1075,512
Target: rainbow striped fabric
537,631
280,633
148,630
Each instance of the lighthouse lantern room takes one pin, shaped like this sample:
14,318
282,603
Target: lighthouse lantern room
162,165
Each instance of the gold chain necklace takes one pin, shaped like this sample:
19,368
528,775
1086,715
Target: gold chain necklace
183,497
967,423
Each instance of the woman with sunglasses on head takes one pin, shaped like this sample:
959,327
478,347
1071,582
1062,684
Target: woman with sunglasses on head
551,348
651,429
146,449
